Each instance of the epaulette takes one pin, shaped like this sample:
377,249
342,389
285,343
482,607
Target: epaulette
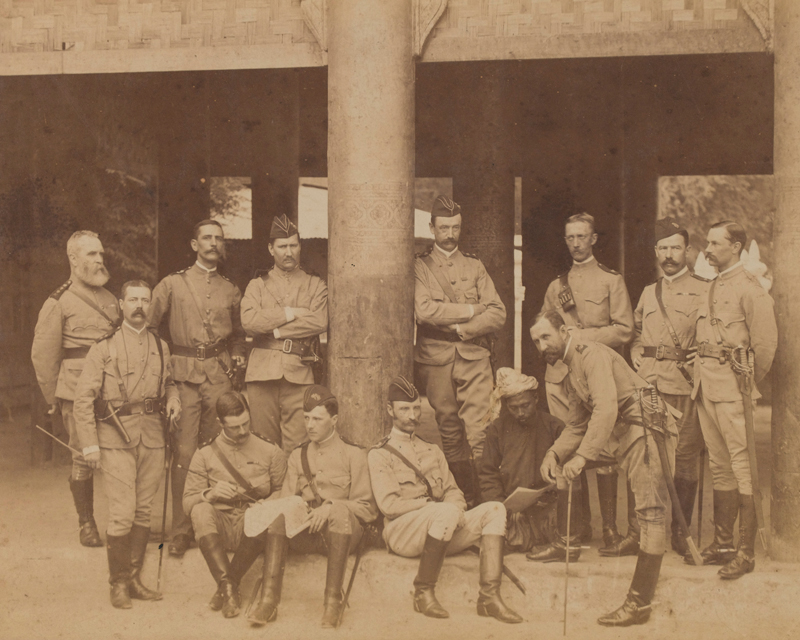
310,272
260,273
352,444
264,438
580,348
608,269
470,255
106,336
60,291
224,277
562,275
701,278
207,441
381,442
177,273
425,253
424,440
154,331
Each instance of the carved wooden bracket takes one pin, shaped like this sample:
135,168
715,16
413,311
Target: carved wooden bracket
425,15
762,13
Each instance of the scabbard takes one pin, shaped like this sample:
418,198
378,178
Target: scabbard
114,420
750,432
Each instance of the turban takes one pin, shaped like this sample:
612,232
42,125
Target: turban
509,383
282,227
667,227
444,207
401,390
315,396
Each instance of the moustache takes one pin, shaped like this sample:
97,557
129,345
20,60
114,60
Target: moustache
138,312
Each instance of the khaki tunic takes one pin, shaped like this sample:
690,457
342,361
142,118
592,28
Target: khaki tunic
682,298
264,310
220,300
65,322
340,474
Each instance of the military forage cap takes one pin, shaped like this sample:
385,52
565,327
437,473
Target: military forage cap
401,390
282,227
667,227
444,207
315,396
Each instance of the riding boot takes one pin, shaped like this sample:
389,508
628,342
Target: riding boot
721,550
556,551
430,564
139,537
463,475
490,602
745,559
245,555
274,564
83,496
686,490
585,527
629,545
636,609
338,550
119,569
607,497
227,595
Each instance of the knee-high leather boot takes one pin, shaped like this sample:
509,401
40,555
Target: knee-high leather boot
139,537
686,490
83,496
119,569
745,559
629,545
607,497
721,549
338,550
556,551
636,609
430,565
227,595
490,603
274,564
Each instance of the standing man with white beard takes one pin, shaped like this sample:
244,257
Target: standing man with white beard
75,315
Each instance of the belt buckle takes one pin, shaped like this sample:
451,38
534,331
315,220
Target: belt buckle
148,405
660,352
201,353
287,345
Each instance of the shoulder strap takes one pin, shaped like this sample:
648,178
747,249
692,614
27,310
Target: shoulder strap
567,300
248,488
307,472
437,273
408,463
112,353
56,295
672,333
196,297
92,304
161,357
714,320
608,269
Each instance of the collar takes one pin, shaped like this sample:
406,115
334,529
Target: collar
730,269
401,435
286,274
231,443
567,355
138,332
672,279
448,254
203,269
327,441
587,261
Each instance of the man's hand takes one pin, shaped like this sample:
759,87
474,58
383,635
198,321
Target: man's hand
690,358
549,466
319,517
574,467
51,410
238,361
174,408
222,491
93,459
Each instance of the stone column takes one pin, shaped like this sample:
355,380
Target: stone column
371,230
785,508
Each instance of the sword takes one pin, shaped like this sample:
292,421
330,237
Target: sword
64,444
566,564
508,573
167,466
700,491
359,553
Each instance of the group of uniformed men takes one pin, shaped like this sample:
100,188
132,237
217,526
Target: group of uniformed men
276,474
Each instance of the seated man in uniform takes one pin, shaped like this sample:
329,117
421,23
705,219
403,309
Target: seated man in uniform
236,470
516,442
426,512
327,489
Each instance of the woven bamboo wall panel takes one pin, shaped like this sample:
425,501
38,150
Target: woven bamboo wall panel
81,25
508,18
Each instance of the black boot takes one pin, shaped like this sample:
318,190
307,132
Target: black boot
721,550
227,595
83,496
745,559
686,490
629,545
139,537
490,603
245,555
636,609
556,551
274,563
463,475
430,564
607,497
585,528
119,569
338,550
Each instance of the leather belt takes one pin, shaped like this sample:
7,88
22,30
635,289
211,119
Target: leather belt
146,406
75,353
665,352
428,331
202,352
712,351
286,346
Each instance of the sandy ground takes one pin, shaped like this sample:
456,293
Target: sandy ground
51,587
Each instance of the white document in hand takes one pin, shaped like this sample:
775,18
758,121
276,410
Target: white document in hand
260,516
522,498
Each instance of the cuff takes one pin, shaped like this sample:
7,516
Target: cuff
289,314
471,311
93,449
276,333
458,330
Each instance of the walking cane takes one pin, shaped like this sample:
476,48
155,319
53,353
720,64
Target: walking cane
566,564
167,465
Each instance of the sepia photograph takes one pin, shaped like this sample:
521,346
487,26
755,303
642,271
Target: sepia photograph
390,319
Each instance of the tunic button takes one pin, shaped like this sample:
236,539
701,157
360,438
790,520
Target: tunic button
449,264
452,282
208,295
